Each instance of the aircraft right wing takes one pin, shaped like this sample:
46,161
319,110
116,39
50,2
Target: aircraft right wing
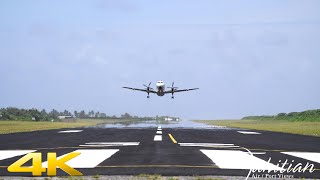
180,90
137,89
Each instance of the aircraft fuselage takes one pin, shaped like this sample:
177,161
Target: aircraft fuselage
161,88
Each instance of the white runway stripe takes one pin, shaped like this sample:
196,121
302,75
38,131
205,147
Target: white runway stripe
231,159
97,145
159,132
116,143
70,131
207,145
108,144
214,144
89,158
6,154
311,156
257,153
248,132
157,138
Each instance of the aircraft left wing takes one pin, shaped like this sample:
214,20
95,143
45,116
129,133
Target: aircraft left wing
137,89
181,90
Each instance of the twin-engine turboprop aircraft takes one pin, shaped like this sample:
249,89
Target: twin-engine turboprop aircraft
160,89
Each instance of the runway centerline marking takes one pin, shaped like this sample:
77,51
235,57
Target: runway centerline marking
70,131
311,156
235,159
172,139
159,132
157,138
6,154
88,158
248,132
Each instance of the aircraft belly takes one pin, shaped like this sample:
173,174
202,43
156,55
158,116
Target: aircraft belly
160,93
161,89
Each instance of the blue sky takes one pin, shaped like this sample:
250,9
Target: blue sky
247,57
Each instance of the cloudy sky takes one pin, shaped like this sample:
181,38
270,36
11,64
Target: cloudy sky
247,57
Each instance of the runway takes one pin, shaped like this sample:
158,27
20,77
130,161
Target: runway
168,151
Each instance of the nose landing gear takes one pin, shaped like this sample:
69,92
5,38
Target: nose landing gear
172,97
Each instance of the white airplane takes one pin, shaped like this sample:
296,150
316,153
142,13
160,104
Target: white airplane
161,90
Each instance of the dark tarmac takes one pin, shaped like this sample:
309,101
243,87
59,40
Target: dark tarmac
150,150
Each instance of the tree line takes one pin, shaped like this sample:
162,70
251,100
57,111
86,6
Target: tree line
12,113
309,115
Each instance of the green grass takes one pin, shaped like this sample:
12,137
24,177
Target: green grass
26,126
304,128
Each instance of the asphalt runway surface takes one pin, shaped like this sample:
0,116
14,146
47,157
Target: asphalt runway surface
169,151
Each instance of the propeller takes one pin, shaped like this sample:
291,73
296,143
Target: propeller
148,87
172,87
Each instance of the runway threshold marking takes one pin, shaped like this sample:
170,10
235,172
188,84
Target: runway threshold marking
70,131
6,154
107,144
209,145
235,159
311,156
172,139
88,158
248,132
257,153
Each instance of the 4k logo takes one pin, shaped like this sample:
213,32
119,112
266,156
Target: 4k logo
36,169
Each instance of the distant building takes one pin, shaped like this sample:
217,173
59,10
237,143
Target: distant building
65,117
171,119
168,119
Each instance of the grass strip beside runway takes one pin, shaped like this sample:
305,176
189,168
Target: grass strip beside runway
304,128
7,127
